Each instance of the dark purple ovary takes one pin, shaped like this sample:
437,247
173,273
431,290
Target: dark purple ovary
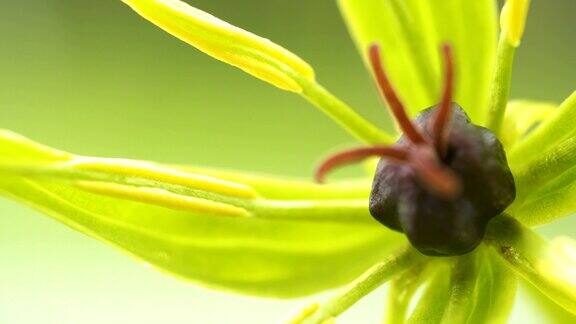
439,226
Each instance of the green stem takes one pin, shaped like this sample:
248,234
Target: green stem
462,290
401,292
504,288
533,259
370,280
501,81
431,306
343,114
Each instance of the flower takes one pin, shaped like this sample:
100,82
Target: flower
275,237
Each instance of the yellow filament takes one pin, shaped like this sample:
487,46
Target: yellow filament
155,172
304,313
513,20
163,198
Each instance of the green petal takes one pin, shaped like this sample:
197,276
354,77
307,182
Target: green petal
522,117
411,32
555,200
557,127
277,256
547,166
549,266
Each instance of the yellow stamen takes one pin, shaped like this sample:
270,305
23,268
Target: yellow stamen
163,198
156,172
304,313
513,20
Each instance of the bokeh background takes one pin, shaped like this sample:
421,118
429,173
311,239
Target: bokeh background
92,77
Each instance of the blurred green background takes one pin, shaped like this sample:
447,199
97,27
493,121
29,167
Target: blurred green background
93,78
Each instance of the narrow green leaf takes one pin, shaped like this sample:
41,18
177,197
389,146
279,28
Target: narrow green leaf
411,32
547,266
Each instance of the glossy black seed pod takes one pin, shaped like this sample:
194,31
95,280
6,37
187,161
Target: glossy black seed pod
438,226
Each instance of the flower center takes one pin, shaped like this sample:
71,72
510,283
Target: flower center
443,180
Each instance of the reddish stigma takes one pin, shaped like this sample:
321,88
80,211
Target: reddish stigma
440,127
423,154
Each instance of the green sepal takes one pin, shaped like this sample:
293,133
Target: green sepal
411,32
463,293
546,167
267,257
